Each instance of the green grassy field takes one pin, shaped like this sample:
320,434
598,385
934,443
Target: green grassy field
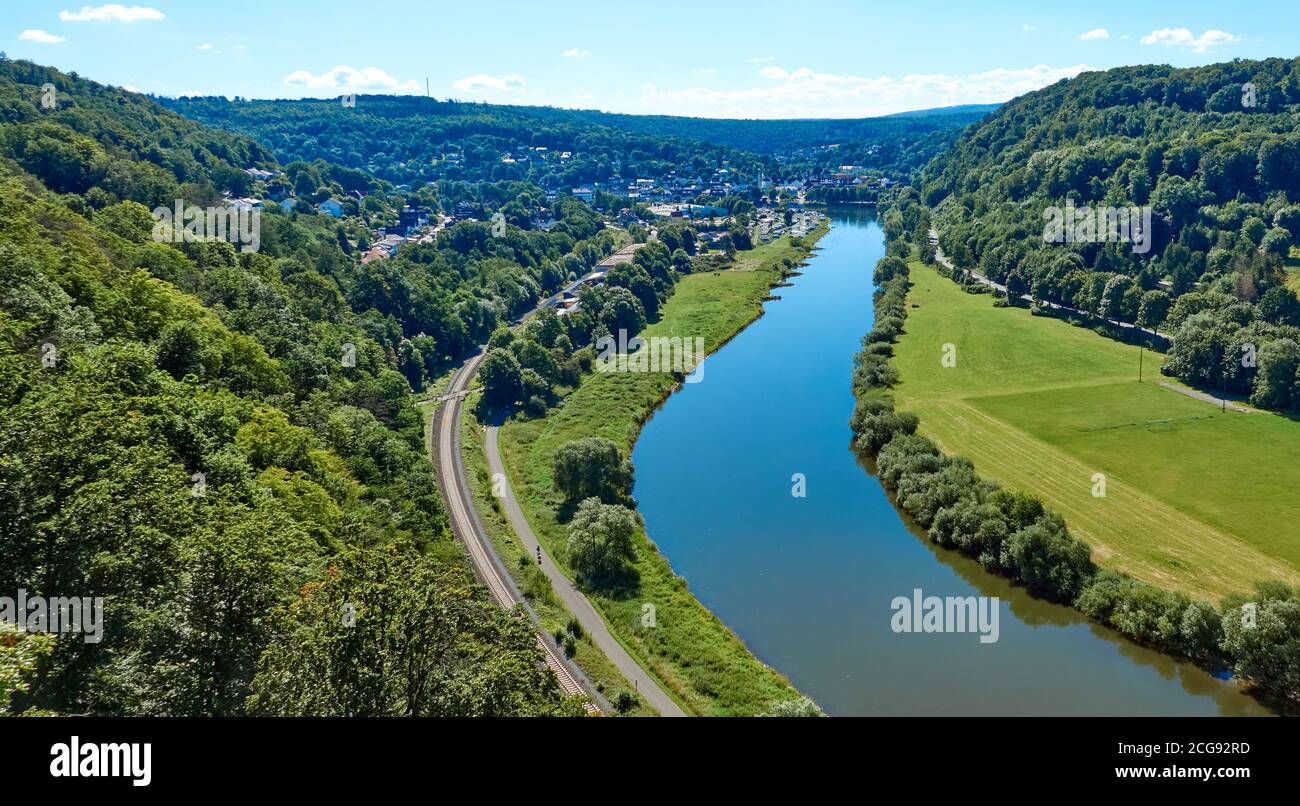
1196,499
1293,274
689,650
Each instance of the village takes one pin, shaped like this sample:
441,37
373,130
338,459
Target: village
706,202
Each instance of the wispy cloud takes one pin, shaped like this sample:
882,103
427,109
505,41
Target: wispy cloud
344,77
1183,38
37,35
1027,28
808,93
761,59
576,53
113,12
1096,34
204,46
481,82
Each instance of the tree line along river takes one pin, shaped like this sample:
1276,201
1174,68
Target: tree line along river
808,581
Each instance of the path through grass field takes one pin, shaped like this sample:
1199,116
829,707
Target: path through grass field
1195,499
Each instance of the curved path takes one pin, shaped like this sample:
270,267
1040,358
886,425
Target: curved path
573,599
466,526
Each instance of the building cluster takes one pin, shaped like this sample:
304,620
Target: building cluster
770,224
672,188
566,301
279,193
414,225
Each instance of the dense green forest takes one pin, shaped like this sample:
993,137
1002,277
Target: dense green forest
894,143
409,139
778,136
223,444
1212,151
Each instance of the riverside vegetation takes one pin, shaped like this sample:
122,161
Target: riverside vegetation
1017,535
692,653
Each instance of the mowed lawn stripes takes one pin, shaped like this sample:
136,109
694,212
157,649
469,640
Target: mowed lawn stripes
1128,529
1196,500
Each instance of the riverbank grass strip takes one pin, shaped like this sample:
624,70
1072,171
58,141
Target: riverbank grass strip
690,650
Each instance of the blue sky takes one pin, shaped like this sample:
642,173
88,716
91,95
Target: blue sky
715,59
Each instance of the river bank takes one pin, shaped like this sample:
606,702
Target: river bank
749,485
689,651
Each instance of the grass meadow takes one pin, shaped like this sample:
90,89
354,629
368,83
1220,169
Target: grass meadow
1195,499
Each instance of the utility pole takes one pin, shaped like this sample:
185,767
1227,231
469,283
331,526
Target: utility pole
1223,388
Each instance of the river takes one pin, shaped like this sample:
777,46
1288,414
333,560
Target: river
807,582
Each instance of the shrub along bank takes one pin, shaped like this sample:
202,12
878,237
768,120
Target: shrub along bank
1016,535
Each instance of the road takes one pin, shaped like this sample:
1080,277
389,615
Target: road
1192,393
573,599
979,278
1208,398
466,526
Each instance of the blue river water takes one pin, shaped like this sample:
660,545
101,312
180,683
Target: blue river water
807,582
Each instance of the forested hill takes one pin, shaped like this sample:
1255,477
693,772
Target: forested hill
183,435
1214,151
412,139
405,138
118,141
778,136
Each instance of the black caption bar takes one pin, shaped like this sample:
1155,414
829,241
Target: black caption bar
138,757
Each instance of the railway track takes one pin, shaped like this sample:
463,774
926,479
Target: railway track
465,525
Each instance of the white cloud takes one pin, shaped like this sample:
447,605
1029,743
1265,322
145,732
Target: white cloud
204,46
807,93
1183,38
1095,34
1027,28
575,53
37,35
760,60
348,78
704,71
481,82
112,12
